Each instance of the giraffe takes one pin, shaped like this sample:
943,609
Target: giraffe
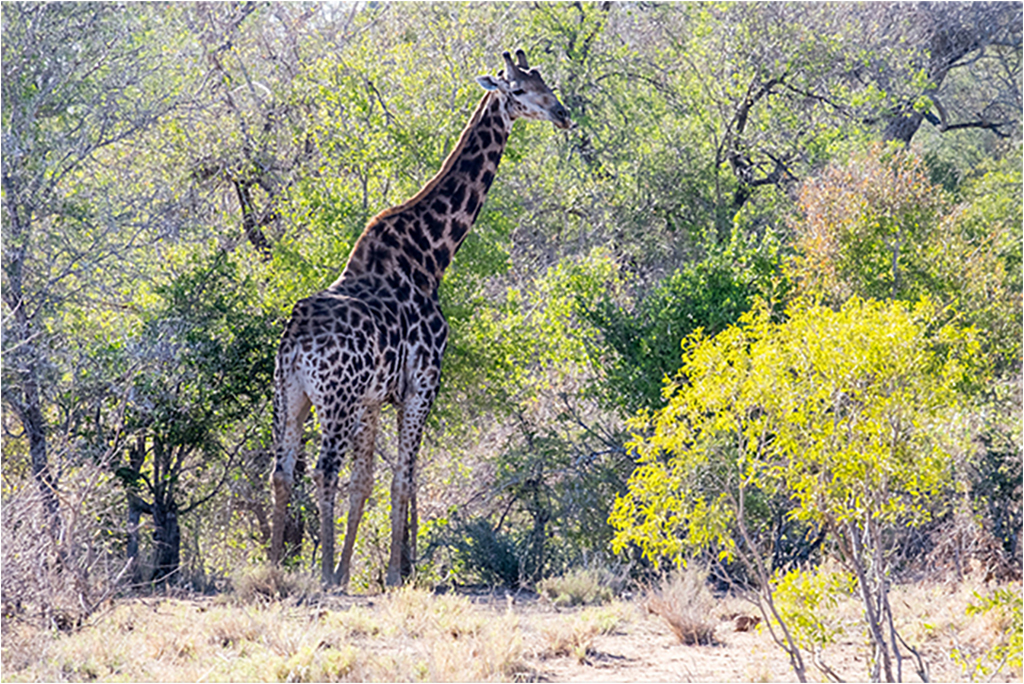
377,334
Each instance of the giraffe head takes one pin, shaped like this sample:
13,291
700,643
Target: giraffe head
525,92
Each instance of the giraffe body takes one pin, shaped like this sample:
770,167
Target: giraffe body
377,334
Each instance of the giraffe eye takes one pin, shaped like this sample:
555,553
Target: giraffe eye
518,91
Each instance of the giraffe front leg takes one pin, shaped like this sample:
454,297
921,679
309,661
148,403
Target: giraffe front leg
327,489
401,488
360,486
411,418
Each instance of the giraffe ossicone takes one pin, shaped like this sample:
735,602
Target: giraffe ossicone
377,334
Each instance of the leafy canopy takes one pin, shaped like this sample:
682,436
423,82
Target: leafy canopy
641,346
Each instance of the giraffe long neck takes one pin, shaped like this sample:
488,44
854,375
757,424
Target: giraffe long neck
420,236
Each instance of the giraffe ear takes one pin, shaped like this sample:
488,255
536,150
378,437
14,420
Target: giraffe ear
491,83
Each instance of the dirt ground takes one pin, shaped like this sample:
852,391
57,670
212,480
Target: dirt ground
643,649
646,650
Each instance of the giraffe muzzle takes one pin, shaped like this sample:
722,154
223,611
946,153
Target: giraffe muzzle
560,117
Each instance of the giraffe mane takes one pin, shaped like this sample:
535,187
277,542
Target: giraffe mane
445,167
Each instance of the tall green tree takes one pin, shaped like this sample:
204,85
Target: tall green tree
76,81
203,363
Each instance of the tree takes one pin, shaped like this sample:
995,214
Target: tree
205,362
868,229
963,70
780,88
641,346
73,82
850,414
252,58
877,226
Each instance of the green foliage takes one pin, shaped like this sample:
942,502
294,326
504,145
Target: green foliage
1005,606
706,295
483,552
209,354
868,227
806,601
992,475
532,340
982,253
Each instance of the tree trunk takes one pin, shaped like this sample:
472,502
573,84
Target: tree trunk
868,583
28,406
903,126
166,540
136,507
35,429
950,41
538,537
22,357
135,510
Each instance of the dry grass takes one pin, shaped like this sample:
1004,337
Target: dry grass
409,635
415,635
570,638
574,636
934,619
684,601
267,583
584,586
